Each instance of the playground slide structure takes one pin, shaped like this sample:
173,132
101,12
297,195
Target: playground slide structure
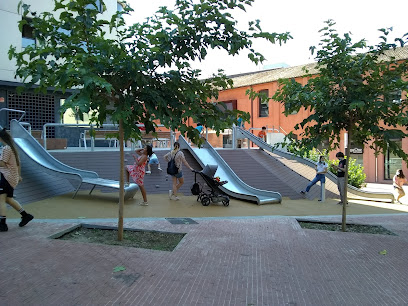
36,158
353,192
235,187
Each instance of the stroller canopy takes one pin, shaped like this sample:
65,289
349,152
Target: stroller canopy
209,170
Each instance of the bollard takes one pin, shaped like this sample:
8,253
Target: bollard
323,192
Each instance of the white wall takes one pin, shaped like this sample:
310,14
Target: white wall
273,138
10,34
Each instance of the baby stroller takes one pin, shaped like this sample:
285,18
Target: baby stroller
214,194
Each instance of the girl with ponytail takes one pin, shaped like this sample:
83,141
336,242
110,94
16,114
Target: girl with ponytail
10,176
137,170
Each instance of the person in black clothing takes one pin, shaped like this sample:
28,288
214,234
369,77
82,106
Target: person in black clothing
341,171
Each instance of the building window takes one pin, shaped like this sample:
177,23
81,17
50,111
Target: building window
227,105
27,34
40,109
71,116
263,103
324,145
392,162
393,96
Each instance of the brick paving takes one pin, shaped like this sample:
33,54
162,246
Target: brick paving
221,261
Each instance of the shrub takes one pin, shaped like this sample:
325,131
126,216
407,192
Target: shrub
356,175
315,154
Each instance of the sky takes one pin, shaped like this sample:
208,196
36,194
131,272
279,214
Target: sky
302,19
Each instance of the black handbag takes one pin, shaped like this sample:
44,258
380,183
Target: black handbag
195,189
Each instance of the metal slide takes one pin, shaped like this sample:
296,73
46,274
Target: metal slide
353,192
36,158
235,187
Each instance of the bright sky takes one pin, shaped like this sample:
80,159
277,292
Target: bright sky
302,19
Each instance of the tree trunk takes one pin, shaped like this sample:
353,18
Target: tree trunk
121,182
344,212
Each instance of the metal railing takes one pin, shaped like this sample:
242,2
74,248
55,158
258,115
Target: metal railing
14,110
273,129
45,126
44,132
19,120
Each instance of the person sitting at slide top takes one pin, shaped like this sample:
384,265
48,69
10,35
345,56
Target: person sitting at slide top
262,133
200,129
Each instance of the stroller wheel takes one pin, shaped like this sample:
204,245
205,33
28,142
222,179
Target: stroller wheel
205,201
225,202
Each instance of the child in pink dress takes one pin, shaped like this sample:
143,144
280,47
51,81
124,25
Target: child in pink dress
137,170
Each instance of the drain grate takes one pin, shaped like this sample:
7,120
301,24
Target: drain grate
181,221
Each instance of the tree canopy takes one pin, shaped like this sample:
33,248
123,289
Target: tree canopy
357,89
139,73
353,91
142,72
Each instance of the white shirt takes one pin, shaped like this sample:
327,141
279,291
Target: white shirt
321,167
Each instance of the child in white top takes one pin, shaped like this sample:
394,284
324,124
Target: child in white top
153,160
321,170
398,181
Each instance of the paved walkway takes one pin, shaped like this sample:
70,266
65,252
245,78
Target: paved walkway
221,261
255,260
243,254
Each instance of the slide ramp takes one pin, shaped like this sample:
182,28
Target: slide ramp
35,159
235,187
353,192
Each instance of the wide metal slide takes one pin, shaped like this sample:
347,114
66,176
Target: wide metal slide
36,158
353,192
235,187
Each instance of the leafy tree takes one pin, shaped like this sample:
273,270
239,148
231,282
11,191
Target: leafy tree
139,73
351,93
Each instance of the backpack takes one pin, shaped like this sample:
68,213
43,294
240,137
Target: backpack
171,166
195,189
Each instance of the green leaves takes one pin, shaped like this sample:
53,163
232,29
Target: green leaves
118,269
138,73
383,252
350,92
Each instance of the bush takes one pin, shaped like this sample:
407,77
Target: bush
356,175
315,154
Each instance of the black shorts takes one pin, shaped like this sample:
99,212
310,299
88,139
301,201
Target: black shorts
5,187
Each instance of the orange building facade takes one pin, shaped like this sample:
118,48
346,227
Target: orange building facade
380,169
